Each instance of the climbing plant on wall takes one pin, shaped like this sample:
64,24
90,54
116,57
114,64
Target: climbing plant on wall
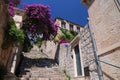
13,35
65,36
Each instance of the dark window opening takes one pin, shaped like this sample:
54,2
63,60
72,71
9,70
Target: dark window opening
63,24
86,71
72,56
78,29
71,27
78,60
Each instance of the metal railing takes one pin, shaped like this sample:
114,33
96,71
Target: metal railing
109,64
89,49
100,74
117,3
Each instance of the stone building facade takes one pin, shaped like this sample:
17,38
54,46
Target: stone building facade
67,24
46,46
104,18
78,59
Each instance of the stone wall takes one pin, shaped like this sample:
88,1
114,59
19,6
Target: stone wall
104,17
87,50
67,57
5,54
49,48
62,56
66,61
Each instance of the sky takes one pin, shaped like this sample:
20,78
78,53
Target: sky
71,10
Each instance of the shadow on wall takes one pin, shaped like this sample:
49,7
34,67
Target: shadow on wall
108,76
57,54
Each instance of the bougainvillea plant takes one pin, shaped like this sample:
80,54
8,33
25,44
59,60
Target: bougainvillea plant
11,4
38,22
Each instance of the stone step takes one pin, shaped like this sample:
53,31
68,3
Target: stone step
39,79
43,79
58,79
23,78
47,79
47,76
44,71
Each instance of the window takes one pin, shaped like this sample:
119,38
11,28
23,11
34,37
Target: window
63,24
86,71
78,29
78,60
71,27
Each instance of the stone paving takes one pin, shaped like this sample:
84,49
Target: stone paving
37,66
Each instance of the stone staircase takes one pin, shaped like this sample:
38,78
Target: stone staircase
37,66
36,73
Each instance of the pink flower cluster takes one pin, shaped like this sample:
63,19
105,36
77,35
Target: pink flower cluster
63,42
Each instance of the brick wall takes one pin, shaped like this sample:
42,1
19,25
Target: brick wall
104,17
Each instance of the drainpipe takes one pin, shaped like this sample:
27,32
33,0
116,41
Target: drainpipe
100,74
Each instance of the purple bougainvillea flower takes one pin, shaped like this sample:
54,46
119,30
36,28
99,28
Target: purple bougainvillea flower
39,16
11,6
11,11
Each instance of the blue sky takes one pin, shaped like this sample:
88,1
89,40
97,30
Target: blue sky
71,10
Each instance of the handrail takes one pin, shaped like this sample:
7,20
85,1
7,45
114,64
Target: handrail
100,74
117,4
110,64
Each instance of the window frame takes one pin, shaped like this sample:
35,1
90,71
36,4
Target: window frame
78,29
63,24
71,27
